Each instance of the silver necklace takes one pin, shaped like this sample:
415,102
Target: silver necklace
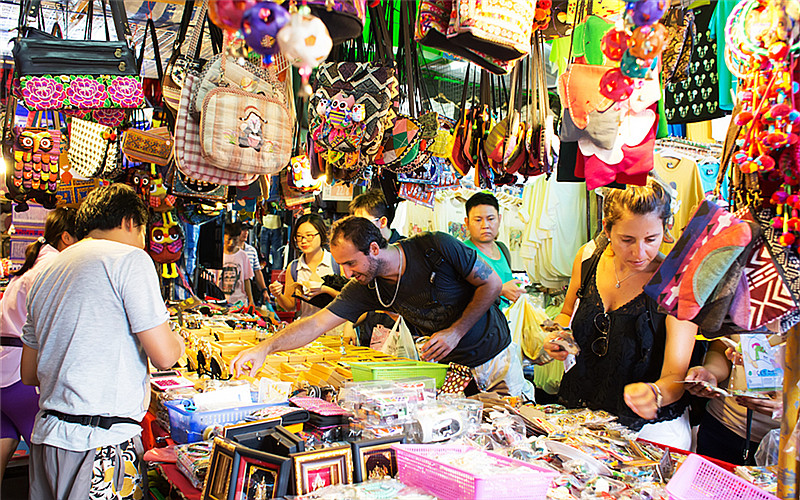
397,289
619,281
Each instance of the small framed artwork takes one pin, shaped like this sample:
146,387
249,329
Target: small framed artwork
218,478
260,475
319,468
375,458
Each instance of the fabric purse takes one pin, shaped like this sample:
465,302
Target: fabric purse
78,74
186,187
36,172
246,133
697,269
72,192
188,151
491,27
93,149
148,146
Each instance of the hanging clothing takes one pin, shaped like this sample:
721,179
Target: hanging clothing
683,175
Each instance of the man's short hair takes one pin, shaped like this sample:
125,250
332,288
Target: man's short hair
359,231
481,199
374,203
233,229
107,207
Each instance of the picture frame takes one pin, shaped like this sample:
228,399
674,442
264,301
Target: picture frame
375,458
217,483
319,468
257,475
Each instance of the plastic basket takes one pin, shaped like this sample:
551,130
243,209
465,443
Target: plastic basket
446,482
187,426
697,479
393,370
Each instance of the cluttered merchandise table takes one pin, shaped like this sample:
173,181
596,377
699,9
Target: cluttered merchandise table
335,421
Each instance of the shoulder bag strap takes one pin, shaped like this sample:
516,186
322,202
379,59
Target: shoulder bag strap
151,27
186,19
120,18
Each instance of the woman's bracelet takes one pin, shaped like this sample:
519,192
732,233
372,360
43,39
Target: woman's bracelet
657,393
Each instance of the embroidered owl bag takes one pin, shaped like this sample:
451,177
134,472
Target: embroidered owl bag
36,173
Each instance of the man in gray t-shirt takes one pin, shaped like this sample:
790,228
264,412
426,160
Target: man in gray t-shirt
95,316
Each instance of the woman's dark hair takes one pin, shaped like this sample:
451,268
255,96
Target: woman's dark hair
59,221
107,206
359,231
638,200
318,223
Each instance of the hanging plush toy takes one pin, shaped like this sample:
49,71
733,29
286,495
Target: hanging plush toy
166,244
300,176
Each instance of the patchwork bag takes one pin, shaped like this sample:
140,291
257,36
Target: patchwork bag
93,149
491,27
700,263
188,151
246,133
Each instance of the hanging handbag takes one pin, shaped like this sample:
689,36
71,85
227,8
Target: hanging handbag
343,18
681,31
148,146
186,187
78,74
491,27
36,174
462,133
93,149
171,87
188,150
540,133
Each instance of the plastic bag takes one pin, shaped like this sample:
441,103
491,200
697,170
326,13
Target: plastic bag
525,320
767,453
395,342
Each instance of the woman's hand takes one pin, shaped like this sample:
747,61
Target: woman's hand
554,350
276,288
642,399
734,356
767,407
701,374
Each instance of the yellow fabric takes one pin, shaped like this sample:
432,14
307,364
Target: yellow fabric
682,174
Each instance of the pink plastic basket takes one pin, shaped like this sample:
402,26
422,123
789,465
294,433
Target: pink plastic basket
415,468
699,479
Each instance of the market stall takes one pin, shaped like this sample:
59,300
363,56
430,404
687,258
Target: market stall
499,165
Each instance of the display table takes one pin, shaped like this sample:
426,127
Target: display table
179,484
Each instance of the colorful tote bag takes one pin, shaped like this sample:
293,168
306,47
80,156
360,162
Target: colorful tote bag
687,278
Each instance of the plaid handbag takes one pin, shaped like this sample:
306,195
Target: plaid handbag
188,152
93,149
244,132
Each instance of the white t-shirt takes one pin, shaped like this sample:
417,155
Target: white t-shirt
13,313
304,273
84,310
236,269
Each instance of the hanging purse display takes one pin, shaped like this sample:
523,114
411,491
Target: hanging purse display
538,138
462,133
93,149
78,74
491,27
246,132
36,173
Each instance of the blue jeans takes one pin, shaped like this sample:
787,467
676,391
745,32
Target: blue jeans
269,245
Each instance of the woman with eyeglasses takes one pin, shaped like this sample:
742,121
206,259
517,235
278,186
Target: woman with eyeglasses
304,274
631,356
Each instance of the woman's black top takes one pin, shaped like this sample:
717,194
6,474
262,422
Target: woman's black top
636,341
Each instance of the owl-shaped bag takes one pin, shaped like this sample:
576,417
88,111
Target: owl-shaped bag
36,173
165,245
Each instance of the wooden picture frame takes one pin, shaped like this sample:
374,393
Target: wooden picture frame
218,479
258,475
375,458
319,468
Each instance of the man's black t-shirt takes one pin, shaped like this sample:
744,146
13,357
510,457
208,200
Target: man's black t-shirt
432,302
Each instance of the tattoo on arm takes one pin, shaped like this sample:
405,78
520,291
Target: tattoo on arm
481,271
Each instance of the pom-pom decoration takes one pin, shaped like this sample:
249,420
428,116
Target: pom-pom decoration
260,26
227,14
305,42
